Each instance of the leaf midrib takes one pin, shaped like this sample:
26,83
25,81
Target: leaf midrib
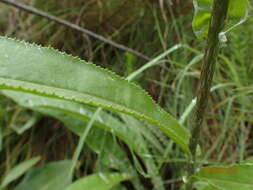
121,107
59,89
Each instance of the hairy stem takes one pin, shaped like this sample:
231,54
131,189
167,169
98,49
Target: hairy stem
219,15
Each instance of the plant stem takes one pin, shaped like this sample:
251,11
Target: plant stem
218,19
81,142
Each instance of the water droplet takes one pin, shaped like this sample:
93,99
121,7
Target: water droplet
6,56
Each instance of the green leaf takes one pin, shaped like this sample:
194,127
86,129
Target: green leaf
47,72
202,16
237,14
100,181
56,108
248,160
231,177
19,170
110,154
204,186
75,116
47,177
238,9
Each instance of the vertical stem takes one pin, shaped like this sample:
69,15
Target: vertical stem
81,143
219,15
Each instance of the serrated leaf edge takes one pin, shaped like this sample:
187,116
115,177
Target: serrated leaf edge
112,74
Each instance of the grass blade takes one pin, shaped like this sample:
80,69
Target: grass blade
99,181
18,171
47,177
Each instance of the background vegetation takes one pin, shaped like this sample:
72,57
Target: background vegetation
151,27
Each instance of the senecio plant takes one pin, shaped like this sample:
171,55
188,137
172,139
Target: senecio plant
67,88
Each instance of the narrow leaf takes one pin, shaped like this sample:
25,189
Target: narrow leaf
46,72
19,170
204,186
50,176
100,181
232,177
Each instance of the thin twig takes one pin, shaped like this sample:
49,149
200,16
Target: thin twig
74,27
